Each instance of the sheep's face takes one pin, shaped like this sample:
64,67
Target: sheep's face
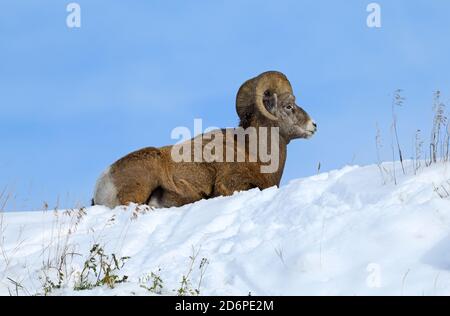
293,121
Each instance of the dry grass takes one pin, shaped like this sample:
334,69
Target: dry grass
443,189
397,101
439,137
59,251
418,148
4,196
7,255
439,147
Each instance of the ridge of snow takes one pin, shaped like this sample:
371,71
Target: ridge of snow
337,233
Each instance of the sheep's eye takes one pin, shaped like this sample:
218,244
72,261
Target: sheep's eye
289,107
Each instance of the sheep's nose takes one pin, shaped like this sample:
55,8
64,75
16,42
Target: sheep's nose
315,125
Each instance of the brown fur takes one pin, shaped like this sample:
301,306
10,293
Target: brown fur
150,176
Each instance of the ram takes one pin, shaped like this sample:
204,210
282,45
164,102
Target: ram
267,110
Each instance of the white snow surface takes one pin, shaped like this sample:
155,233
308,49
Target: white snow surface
342,232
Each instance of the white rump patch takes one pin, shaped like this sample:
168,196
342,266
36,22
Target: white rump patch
105,190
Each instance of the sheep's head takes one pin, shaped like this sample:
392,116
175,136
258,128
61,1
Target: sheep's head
269,99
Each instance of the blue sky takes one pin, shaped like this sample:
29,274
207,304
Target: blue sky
74,100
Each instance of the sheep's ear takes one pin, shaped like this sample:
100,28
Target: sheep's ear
270,102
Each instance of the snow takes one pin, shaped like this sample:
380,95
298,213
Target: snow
342,232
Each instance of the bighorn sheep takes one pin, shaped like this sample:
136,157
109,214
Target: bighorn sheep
151,176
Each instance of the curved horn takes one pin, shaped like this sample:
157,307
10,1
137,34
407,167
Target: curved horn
250,95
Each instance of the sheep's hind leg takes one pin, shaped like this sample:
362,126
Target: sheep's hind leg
135,192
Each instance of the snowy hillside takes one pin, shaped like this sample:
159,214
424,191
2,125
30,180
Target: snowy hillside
341,232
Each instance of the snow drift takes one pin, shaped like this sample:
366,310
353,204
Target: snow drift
342,232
